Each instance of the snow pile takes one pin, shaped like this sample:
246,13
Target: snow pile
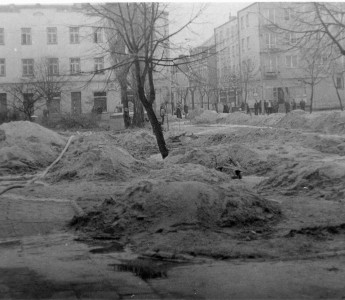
160,206
187,172
94,157
192,114
207,117
323,178
215,156
25,145
139,143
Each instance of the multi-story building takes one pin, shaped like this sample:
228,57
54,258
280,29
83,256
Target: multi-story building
203,74
68,42
72,45
271,67
227,60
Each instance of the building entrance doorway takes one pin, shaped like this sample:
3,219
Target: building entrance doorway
76,103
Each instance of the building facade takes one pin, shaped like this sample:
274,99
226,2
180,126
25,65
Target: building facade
272,68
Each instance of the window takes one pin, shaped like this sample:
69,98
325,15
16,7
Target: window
247,20
291,61
54,106
74,35
339,82
2,67
97,35
100,101
291,38
248,45
242,24
26,36
272,63
99,64
53,66
52,35
271,40
28,67
74,64
2,36
269,16
3,103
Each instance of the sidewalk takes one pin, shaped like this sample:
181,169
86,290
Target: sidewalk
40,261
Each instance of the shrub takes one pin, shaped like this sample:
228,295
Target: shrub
70,121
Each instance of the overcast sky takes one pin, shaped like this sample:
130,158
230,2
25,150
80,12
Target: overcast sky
213,15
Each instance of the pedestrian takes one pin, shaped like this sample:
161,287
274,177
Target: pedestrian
302,104
243,106
225,108
162,113
260,107
256,108
269,107
287,106
266,107
294,104
179,110
185,109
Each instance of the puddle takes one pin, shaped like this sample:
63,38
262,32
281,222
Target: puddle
113,247
144,268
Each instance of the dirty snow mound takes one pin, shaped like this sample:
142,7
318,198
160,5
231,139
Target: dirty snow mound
207,117
94,157
323,178
192,114
188,172
27,145
215,156
159,207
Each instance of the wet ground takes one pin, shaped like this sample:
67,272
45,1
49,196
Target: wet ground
41,258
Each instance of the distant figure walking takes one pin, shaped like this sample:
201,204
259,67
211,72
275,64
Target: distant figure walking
256,107
294,104
162,113
302,104
269,107
179,110
225,108
287,106
185,109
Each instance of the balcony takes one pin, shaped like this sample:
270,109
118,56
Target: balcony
270,74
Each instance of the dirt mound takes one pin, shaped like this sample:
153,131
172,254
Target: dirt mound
188,172
322,178
192,114
207,117
250,161
25,145
95,157
160,207
139,143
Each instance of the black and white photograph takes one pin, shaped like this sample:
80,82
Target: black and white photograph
172,150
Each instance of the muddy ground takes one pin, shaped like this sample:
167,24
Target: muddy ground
288,205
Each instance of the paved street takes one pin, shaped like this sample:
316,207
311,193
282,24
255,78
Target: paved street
40,260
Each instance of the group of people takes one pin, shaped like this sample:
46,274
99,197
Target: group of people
269,107
293,105
178,112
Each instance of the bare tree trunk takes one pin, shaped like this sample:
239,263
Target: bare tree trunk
138,116
124,100
192,93
311,97
339,98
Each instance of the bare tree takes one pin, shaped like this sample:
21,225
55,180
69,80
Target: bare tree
39,89
142,27
248,74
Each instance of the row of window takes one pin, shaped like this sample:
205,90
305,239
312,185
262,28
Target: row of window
52,35
272,62
100,102
28,66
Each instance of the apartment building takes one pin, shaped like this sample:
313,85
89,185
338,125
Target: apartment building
271,68
203,74
69,43
227,60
